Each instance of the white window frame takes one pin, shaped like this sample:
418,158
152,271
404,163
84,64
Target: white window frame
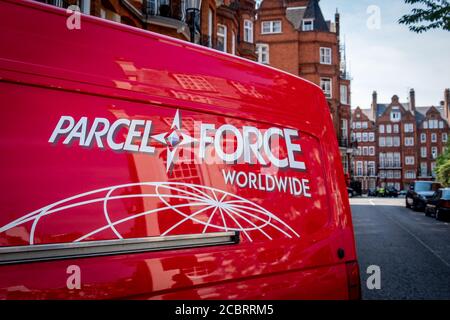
271,27
409,160
423,137
222,35
381,128
259,53
325,55
344,94
434,137
328,92
248,31
423,152
394,117
444,137
311,28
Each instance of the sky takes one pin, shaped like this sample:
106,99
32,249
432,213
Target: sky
385,56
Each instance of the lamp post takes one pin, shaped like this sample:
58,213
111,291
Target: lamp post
192,11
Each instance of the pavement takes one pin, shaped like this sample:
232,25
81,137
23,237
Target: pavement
412,250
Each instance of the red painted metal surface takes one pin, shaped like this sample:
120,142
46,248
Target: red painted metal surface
110,71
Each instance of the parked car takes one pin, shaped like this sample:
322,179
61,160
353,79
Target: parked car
351,193
418,194
391,192
106,135
372,192
402,193
439,204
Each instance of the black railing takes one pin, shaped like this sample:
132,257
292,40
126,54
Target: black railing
163,9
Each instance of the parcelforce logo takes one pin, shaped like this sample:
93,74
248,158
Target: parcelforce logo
231,145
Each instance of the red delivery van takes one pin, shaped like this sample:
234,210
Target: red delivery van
134,165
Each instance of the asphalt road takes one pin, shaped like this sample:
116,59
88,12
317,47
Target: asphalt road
412,250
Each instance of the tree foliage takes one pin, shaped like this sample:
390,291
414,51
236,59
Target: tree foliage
443,167
427,15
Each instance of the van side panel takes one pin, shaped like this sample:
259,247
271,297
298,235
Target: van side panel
127,147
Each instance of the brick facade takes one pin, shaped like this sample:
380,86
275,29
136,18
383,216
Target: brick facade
294,36
408,139
169,17
364,167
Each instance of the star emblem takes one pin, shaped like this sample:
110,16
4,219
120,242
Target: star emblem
173,140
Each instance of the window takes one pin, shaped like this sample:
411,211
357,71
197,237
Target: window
433,169
325,84
365,151
410,174
382,141
154,6
371,168
365,125
397,175
441,124
344,94
389,142
433,137
390,174
365,137
409,160
409,127
397,162
396,128
371,151
344,129
358,125
325,55
434,152
308,25
268,27
444,137
423,152
262,51
358,136
233,42
395,116
423,169
388,128
409,141
396,141
382,128
423,137
425,124
371,136
359,168
248,31
433,124
222,38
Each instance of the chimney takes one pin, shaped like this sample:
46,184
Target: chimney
374,105
412,101
447,104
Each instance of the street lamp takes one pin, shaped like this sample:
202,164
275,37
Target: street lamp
192,11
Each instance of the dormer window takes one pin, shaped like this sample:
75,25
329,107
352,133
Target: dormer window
308,25
396,115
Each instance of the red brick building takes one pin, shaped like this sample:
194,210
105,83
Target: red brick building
293,35
225,25
364,165
409,138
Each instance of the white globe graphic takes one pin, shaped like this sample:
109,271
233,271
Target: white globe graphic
215,210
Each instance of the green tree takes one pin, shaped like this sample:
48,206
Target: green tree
427,15
443,167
